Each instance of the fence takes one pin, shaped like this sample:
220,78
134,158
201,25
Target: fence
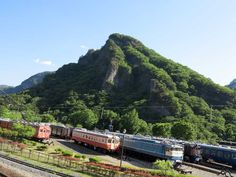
60,161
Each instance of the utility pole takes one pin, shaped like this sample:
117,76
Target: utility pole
122,147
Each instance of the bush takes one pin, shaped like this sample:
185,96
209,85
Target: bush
83,157
41,148
163,166
94,159
67,153
58,150
77,156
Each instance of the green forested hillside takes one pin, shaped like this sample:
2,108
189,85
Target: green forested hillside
139,90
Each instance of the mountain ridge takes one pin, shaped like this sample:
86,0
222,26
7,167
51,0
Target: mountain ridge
26,84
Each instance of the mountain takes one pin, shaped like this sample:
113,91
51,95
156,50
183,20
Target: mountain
4,87
26,84
125,75
232,84
126,69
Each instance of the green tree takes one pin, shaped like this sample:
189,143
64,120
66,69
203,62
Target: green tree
230,133
130,121
133,124
47,118
183,131
24,131
162,129
85,117
109,116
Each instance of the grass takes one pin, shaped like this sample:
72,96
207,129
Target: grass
49,166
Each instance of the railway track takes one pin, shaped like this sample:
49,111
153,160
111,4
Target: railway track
2,175
212,168
34,166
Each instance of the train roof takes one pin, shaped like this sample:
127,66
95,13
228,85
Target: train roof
58,125
95,133
151,140
227,148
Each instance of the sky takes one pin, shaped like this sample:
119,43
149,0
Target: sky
37,36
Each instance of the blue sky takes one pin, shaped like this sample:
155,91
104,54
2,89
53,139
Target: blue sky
43,35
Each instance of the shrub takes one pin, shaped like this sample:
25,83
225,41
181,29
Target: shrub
77,155
163,166
41,148
67,153
58,150
83,157
94,159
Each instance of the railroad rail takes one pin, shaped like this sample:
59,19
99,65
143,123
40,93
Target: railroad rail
3,175
34,166
210,168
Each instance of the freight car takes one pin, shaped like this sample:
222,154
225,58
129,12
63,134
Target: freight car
97,140
42,130
224,155
158,149
61,131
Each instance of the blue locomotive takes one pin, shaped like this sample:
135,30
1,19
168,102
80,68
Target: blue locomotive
225,155
159,149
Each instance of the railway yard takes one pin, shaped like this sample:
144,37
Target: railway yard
22,170
201,171
106,148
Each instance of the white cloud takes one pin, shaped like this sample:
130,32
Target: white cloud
44,62
83,47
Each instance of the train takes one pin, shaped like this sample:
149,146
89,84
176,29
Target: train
62,131
220,154
106,142
42,130
158,149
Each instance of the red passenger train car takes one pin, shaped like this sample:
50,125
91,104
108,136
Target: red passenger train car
42,130
103,141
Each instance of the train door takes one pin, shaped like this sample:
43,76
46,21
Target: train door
112,144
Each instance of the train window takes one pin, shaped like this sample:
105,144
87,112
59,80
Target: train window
213,153
227,155
219,154
176,149
109,141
